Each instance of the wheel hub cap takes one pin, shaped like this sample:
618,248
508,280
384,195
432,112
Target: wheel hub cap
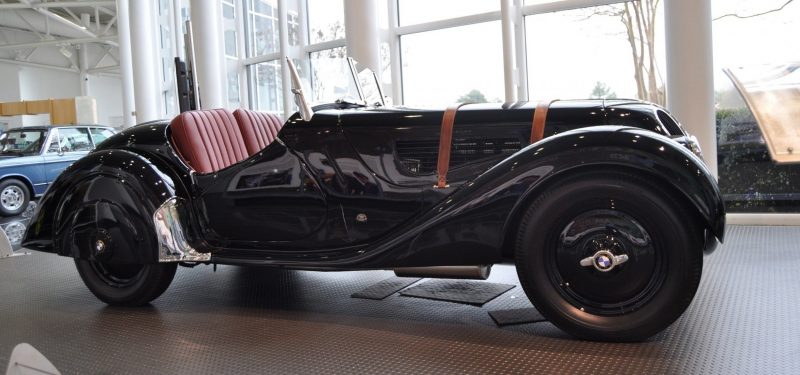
99,245
604,260
11,198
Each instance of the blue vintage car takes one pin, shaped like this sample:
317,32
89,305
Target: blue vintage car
32,157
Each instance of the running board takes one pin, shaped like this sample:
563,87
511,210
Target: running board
446,272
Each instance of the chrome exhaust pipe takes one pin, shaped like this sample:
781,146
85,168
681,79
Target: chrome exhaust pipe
446,272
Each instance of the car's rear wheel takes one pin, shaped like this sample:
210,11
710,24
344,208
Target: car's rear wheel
14,197
126,284
609,256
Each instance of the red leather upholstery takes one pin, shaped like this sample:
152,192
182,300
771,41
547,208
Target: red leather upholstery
208,140
258,128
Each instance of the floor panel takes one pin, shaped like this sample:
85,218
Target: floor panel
243,320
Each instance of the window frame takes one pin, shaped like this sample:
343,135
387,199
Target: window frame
298,53
52,136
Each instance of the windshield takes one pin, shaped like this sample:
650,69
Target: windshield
22,142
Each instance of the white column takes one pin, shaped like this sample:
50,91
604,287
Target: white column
244,85
83,62
509,53
147,91
283,31
361,28
125,65
206,26
522,60
690,75
83,59
394,54
177,27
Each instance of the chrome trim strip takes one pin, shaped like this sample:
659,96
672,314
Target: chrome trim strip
172,244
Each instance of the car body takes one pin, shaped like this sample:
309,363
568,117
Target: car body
357,187
32,157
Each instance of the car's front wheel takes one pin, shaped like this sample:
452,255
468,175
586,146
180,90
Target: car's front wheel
126,284
609,256
14,197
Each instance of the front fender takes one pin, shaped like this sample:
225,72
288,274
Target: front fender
482,214
652,155
110,195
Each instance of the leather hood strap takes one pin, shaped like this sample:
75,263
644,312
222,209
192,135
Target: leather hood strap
446,137
539,119
445,142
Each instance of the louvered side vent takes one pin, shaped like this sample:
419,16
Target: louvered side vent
420,157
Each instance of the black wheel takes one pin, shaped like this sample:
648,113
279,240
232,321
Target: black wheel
14,197
126,284
609,256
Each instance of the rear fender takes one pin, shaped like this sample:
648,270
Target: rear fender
109,195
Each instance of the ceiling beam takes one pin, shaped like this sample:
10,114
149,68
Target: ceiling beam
36,65
28,56
107,52
62,20
108,26
104,69
58,42
57,4
30,27
107,11
76,18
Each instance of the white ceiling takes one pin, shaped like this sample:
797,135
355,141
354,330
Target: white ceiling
49,33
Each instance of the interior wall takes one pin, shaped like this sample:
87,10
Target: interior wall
31,83
40,83
107,93
9,92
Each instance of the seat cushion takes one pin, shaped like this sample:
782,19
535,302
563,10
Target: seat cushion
208,140
258,128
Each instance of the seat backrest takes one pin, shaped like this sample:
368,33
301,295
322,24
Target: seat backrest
208,140
258,128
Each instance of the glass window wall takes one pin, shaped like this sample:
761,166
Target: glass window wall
330,76
597,52
420,11
747,40
266,86
325,20
262,27
460,64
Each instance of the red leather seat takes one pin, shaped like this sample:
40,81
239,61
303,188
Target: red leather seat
208,140
258,128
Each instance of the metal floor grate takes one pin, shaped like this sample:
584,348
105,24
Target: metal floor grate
744,320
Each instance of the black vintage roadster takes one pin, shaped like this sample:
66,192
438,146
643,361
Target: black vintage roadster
605,206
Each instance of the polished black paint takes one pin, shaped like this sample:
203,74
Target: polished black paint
625,288
109,195
332,193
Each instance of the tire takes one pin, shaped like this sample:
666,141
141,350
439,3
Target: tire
569,248
128,284
14,197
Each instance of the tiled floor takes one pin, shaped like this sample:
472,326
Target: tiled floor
744,320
